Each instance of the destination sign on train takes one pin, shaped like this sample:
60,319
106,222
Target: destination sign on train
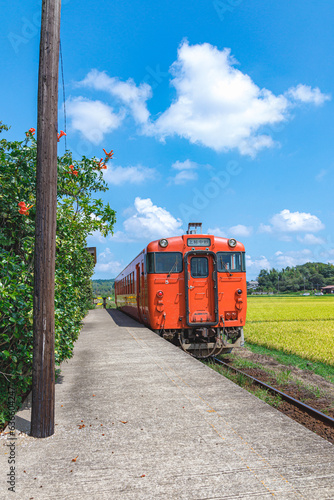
199,242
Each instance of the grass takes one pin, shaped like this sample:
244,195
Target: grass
244,382
283,377
288,359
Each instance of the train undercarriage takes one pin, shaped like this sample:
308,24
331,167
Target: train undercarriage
204,342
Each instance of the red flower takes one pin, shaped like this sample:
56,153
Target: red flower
24,210
108,155
31,130
72,171
104,166
60,134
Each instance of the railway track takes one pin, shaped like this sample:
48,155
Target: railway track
325,419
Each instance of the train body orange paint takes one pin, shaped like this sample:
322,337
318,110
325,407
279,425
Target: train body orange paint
190,289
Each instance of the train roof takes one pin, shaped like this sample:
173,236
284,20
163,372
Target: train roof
197,241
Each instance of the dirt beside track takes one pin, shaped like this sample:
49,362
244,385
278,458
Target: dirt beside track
303,385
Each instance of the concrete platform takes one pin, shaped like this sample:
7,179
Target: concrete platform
144,420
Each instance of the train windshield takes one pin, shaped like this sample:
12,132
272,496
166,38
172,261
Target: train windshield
199,267
164,262
231,261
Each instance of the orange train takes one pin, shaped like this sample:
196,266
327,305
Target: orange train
190,289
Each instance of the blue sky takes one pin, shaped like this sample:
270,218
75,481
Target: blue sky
217,111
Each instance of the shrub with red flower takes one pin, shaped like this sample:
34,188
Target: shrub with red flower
80,212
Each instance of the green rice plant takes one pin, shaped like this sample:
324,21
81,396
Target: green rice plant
310,341
270,309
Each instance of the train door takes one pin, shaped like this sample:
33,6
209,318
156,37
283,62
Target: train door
201,289
143,291
138,290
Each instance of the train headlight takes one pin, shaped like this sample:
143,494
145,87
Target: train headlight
232,242
239,292
163,243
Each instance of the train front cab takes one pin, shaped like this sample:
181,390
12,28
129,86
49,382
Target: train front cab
197,292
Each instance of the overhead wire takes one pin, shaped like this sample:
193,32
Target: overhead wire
63,82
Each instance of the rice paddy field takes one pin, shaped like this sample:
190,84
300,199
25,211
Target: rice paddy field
295,325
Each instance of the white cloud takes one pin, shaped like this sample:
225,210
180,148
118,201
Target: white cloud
217,105
311,239
294,258
183,177
186,172
255,265
185,165
287,221
93,119
241,231
263,228
151,221
133,97
306,94
121,237
216,231
117,175
95,237
107,264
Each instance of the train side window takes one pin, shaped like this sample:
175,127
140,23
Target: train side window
150,262
164,262
199,267
230,261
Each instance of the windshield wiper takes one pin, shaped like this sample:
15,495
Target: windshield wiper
224,266
174,265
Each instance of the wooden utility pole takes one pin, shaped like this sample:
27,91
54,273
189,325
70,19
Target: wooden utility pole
43,374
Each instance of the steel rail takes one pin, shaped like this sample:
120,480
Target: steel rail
302,406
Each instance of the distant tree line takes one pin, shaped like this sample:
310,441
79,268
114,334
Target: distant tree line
103,288
309,276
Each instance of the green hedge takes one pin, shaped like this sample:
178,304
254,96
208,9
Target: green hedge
79,213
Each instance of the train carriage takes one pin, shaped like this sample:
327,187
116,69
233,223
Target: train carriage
190,289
